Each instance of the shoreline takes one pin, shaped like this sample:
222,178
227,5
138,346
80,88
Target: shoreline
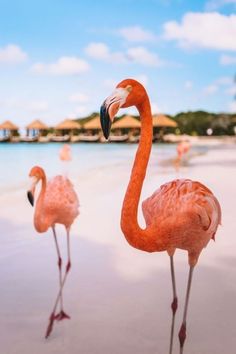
167,139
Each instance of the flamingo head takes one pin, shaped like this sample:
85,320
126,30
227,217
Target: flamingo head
36,174
128,93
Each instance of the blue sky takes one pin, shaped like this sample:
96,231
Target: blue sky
61,59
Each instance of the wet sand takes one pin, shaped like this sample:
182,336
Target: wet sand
118,297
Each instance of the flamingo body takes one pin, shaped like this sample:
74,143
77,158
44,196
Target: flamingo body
182,148
65,153
60,205
185,214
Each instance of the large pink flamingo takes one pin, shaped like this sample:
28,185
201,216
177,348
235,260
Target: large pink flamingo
57,204
180,214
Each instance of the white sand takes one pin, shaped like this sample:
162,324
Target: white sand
118,297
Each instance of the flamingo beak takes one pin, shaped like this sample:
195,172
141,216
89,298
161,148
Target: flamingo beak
30,193
105,120
110,107
30,197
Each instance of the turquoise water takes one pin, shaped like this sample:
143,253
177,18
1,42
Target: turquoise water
17,159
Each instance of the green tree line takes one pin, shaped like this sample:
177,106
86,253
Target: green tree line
196,123
199,123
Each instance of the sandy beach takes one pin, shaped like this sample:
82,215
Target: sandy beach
118,297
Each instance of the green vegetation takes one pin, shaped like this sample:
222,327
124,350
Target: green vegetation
195,123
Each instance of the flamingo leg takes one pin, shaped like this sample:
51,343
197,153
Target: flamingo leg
182,332
59,264
174,304
62,315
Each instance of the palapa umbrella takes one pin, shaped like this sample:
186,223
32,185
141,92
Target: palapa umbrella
8,126
160,120
36,126
93,124
127,122
68,124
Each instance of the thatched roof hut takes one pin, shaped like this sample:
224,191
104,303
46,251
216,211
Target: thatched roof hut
8,128
93,124
8,125
127,122
68,124
160,120
37,125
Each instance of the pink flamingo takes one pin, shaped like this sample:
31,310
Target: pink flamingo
57,204
65,153
182,148
180,214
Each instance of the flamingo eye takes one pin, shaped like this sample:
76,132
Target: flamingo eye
129,88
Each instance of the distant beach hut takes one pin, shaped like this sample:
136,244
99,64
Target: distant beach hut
127,122
8,129
91,130
126,128
93,124
160,122
67,129
36,128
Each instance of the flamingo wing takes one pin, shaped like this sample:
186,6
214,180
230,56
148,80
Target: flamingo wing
61,201
183,197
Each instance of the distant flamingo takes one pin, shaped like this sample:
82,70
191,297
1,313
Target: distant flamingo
65,153
57,204
180,214
182,148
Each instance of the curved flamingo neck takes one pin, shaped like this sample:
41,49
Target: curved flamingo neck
129,215
39,221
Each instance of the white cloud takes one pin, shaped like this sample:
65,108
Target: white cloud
37,106
79,97
211,89
63,66
228,59
31,106
98,50
203,30
218,84
188,84
224,80
143,79
12,54
139,55
143,56
79,111
212,5
101,51
136,34
232,107
231,91
110,83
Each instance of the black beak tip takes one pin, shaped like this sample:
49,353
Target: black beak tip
105,121
30,197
